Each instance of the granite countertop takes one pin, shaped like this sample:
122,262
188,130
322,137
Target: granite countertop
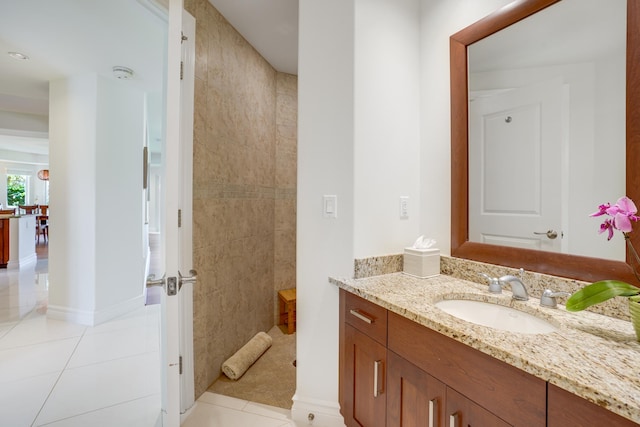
591,355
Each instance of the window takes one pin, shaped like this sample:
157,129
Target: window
16,189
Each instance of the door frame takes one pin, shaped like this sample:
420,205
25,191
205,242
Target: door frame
170,307
187,384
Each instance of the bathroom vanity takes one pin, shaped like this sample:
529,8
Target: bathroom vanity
405,362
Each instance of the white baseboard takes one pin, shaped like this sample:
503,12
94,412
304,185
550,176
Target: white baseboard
93,318
22,262
315,412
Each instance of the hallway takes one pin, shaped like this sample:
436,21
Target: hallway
55,373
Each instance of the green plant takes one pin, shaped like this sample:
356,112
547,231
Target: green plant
598,292
16,191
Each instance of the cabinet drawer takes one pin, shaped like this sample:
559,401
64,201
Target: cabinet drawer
512,394
365,316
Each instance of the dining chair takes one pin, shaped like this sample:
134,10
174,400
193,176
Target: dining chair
42,223
42,229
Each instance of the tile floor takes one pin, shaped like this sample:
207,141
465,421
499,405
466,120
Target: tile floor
54,373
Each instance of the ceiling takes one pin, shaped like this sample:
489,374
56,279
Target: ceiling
73,37
270,26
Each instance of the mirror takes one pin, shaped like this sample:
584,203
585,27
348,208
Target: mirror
561,264
546,109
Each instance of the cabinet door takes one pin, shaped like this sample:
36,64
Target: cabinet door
512,394
462,412
4,242
568,410
414,398
364,377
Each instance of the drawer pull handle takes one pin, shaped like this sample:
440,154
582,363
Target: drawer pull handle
361,316
432,410
453,420
378,387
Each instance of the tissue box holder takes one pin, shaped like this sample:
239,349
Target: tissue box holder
422,263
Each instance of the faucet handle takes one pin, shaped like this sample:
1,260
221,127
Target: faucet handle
494,284
548,298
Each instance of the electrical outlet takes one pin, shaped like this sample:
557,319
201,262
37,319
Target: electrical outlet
404,207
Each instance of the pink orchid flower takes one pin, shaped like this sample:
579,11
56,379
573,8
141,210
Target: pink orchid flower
623,212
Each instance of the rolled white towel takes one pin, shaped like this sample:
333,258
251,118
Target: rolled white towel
235,366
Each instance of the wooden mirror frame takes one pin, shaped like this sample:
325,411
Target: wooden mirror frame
557,264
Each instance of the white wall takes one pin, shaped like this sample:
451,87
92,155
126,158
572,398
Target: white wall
325,167
119,204
387,125
72,240
358,122
96,135
23,121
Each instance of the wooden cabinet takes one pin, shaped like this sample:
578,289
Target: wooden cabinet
568,410
4,242
398,373
414,398
462,412
363,362
366,361
511,394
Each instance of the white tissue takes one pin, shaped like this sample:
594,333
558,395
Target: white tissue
423,243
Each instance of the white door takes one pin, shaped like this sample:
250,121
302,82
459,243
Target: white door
173,186
515,153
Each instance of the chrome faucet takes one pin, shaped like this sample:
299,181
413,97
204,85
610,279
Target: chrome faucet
548,298
494,284
518,288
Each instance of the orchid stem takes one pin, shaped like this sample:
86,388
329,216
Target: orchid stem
634,260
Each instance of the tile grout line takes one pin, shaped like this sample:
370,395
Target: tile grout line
58,379
94,410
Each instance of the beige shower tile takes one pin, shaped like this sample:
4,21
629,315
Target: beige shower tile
286,137
285,214
286,175
245,120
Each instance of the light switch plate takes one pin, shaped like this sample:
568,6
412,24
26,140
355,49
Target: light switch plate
330,206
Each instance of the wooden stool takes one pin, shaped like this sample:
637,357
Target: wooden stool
287,299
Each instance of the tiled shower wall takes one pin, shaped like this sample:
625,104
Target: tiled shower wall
286,179
244,191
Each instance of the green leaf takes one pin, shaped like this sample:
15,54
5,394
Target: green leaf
598,292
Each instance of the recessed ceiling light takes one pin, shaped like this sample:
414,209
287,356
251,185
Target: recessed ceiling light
18,55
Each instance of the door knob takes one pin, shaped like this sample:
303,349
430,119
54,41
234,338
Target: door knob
152,281
551,234
191,278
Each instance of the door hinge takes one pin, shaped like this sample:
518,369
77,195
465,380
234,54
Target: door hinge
180,365
179,218
183,38
181,70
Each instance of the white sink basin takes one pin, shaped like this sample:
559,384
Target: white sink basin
496,316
